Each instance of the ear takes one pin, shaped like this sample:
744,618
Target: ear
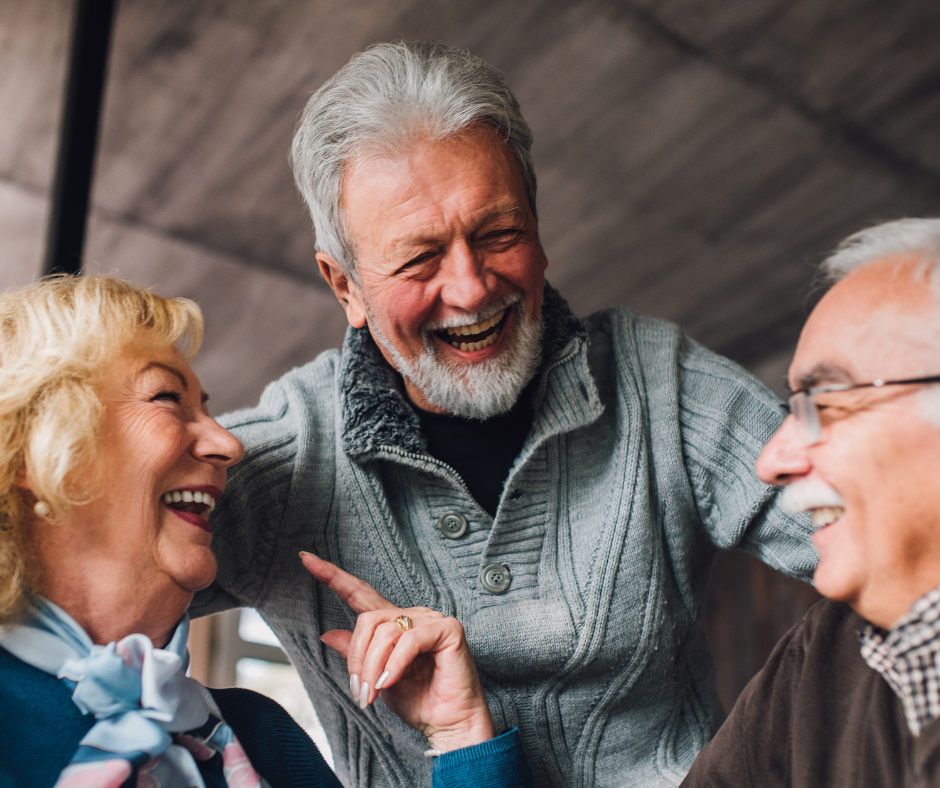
345,290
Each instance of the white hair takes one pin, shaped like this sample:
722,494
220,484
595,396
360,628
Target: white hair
898,237
901,236
384,100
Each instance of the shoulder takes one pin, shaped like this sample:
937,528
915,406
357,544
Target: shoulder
276,745
661,346
828,632
639,352
40,726
823,643
295,399
244,708
294,412
630,331
794,710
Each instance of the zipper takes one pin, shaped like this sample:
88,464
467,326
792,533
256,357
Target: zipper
447,468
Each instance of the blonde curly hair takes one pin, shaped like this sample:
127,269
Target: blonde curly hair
57,338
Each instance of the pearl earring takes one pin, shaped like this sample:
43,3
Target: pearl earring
42,508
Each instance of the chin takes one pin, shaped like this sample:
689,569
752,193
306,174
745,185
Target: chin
832,583
196,575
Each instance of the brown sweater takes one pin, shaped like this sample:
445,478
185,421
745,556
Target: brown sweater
817,716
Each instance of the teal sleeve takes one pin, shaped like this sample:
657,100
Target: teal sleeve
498,763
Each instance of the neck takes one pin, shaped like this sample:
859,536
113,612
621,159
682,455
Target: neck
419,400
885,605
110,597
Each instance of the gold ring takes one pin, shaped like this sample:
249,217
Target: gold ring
404,622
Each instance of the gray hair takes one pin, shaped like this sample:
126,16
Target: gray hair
890,238
385,99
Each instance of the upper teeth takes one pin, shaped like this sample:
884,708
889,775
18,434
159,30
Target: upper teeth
477,328
188,496
825,515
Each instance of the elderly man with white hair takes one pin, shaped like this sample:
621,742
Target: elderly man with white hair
560,486
851,696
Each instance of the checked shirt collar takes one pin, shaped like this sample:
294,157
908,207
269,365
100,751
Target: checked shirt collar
908,658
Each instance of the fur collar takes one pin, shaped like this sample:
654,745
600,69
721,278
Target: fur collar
375,410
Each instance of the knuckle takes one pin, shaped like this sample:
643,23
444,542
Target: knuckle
370,617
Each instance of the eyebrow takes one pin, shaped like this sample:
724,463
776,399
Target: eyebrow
166,367
824,372
422,240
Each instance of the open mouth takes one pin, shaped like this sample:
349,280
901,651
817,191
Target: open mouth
193,506
479,336
825,515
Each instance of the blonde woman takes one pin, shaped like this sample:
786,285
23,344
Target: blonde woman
109,467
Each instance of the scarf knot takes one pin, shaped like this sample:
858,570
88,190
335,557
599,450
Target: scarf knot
151,717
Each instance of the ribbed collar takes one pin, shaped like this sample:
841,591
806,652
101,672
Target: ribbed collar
375,412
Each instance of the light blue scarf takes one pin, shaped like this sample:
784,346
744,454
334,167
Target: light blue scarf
152,718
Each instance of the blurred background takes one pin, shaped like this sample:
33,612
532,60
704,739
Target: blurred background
696,159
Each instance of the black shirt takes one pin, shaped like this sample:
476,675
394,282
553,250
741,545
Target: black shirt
482,452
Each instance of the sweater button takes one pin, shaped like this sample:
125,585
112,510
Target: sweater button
496,578
452,524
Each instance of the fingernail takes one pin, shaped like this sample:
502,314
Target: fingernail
381,682
364,696
354,686
302,554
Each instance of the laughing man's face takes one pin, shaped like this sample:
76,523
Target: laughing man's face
449,260
871,481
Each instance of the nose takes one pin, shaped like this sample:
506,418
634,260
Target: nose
466,283
215,444
784,458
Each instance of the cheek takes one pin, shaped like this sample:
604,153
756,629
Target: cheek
526,272
403,308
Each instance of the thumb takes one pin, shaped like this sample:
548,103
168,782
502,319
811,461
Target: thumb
338,640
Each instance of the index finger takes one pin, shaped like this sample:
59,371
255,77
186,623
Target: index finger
356,593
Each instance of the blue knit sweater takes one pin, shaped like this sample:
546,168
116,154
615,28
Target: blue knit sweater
40,728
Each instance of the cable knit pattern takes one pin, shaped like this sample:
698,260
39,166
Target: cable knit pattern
638,466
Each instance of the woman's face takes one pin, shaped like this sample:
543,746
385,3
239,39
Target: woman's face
163,461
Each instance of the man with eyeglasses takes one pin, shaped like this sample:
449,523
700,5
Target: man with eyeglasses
851,696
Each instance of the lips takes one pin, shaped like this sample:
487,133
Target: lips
192,504
477,336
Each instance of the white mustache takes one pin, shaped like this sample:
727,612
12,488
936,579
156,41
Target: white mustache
811,493
472,320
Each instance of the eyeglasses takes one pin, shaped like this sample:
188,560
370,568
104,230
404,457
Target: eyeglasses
802,403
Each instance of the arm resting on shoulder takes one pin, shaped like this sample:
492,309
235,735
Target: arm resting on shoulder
727,417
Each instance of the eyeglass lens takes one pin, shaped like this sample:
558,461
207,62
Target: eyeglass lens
804,410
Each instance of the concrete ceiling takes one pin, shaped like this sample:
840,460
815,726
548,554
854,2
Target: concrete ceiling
695,158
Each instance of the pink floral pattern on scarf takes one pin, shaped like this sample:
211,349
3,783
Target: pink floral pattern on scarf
96,774
238,771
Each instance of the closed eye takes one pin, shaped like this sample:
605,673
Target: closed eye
420,267
172,396
504,237
421,258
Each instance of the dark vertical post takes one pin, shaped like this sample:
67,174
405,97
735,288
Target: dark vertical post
78,138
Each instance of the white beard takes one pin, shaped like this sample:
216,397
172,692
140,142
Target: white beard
478,390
